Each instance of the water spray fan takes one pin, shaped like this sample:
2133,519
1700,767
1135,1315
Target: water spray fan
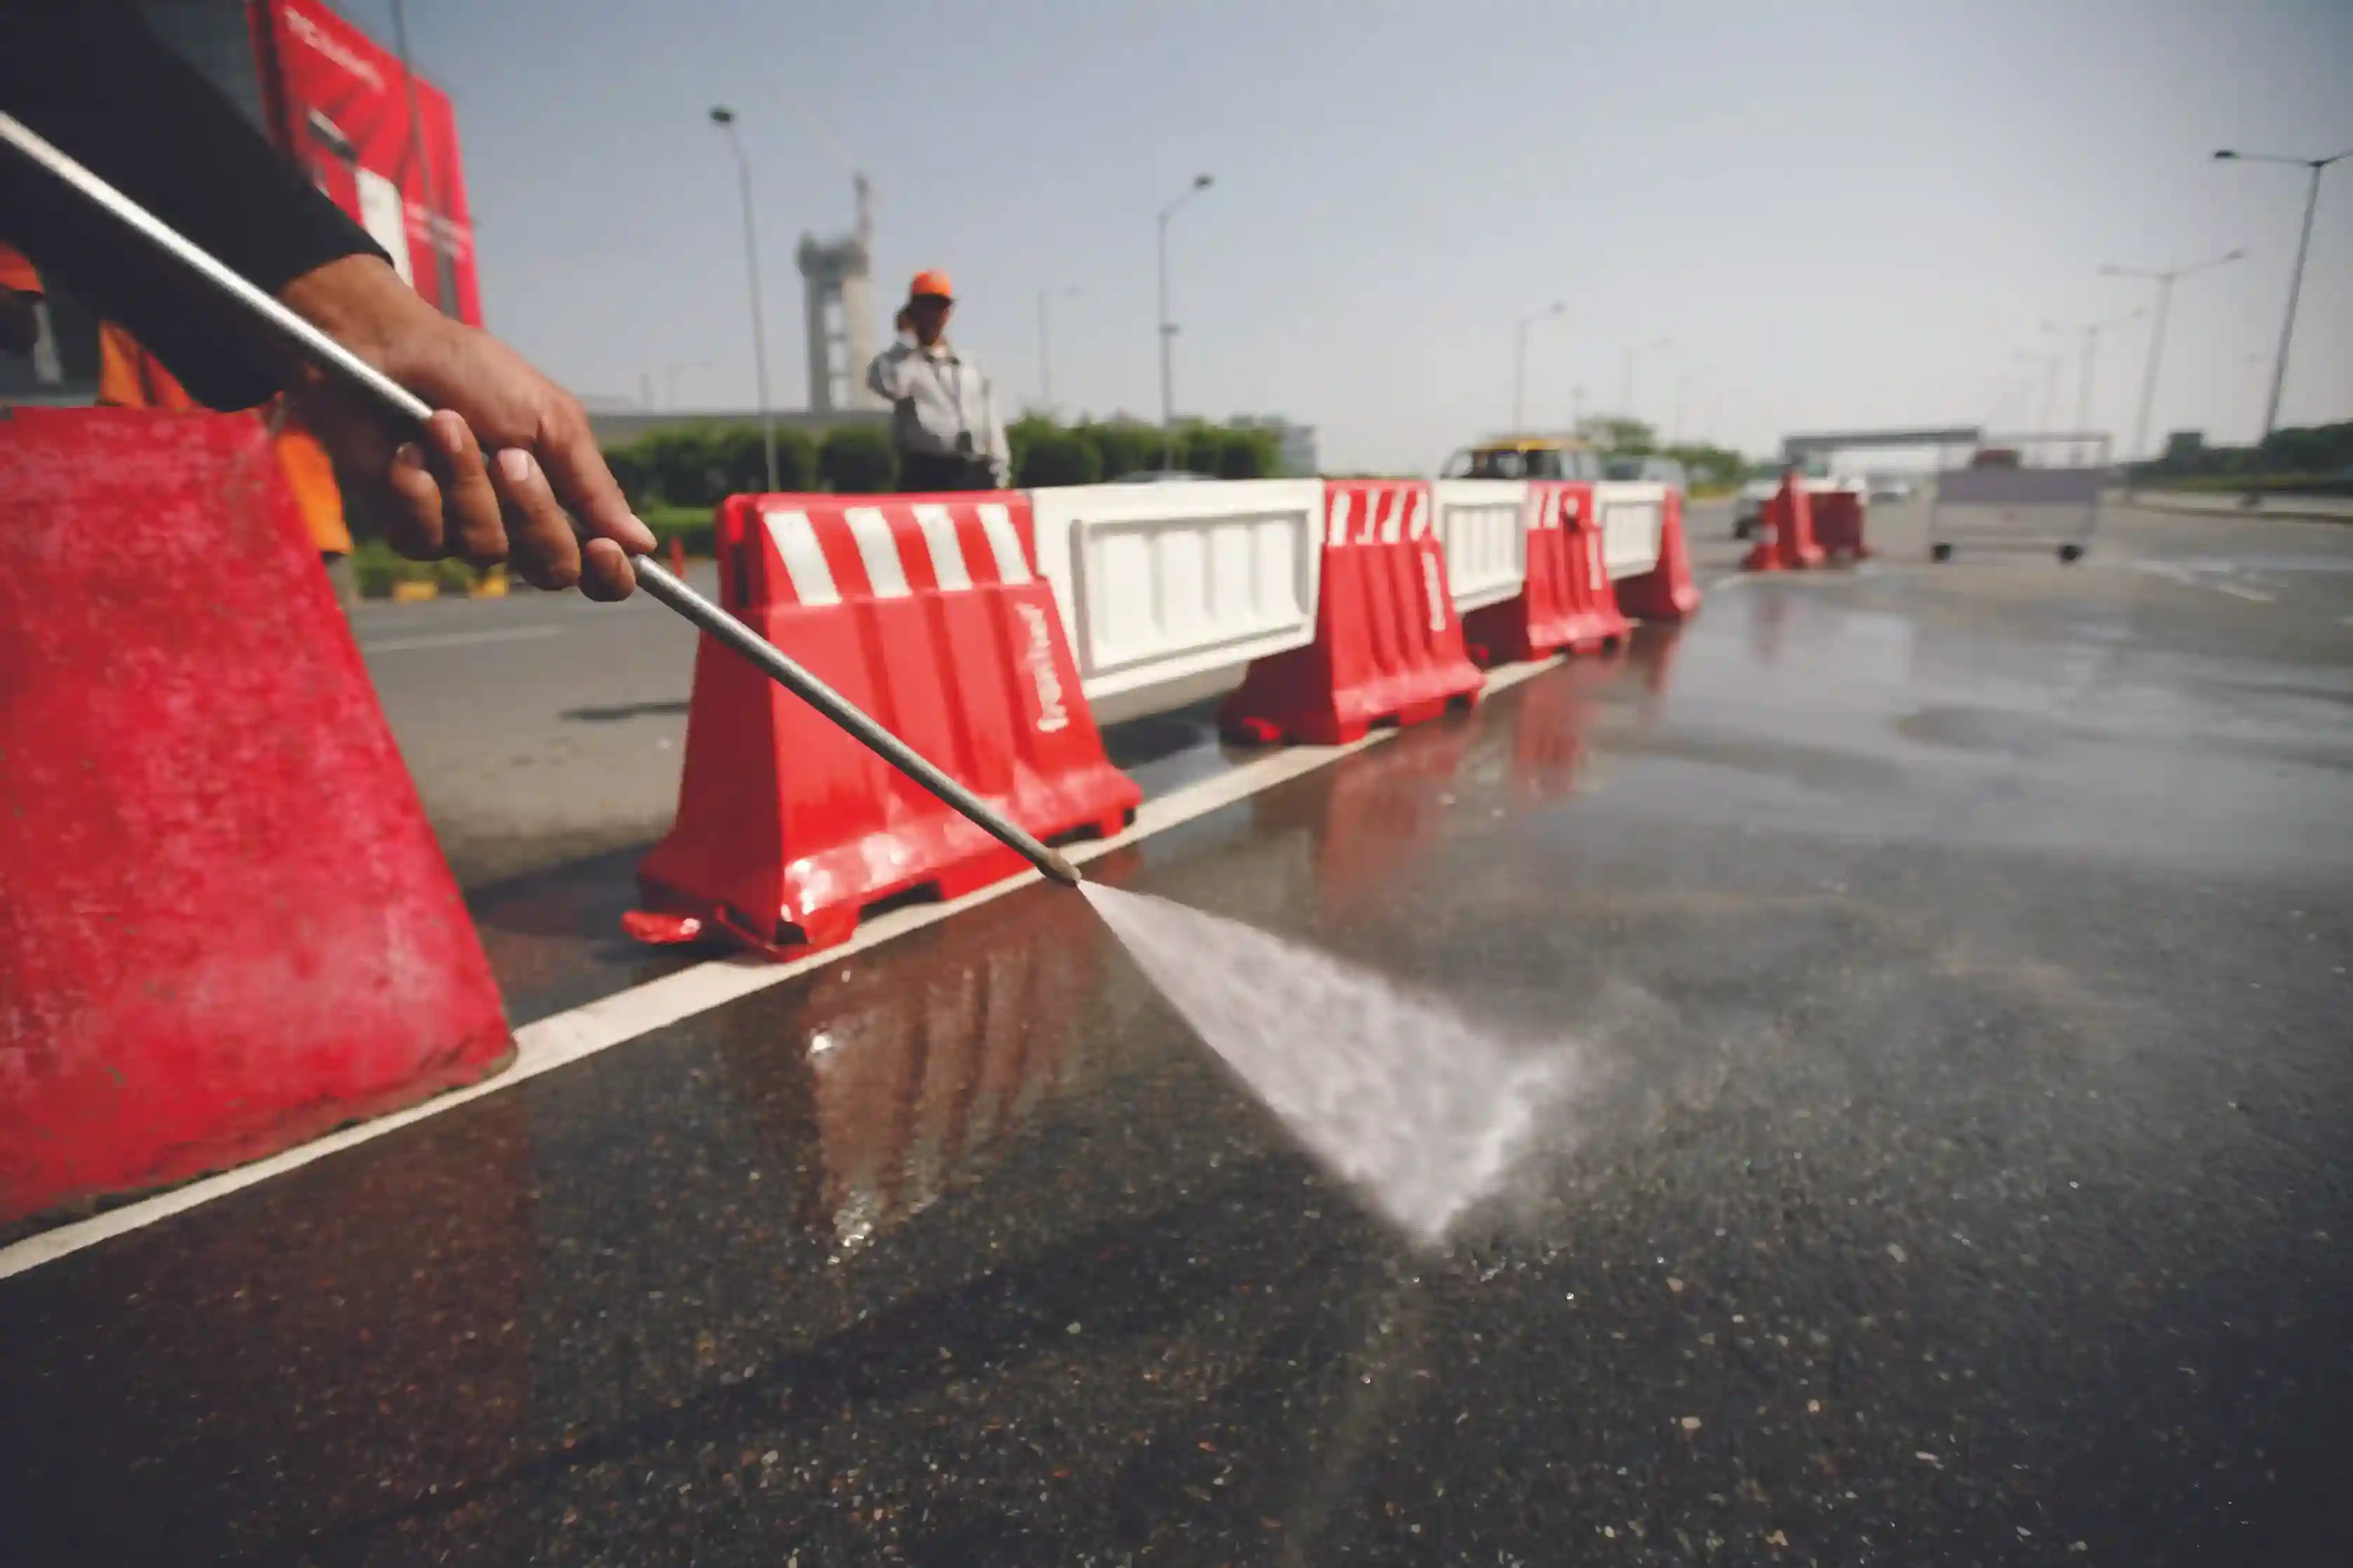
331,358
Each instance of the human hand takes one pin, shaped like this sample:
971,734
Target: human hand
435,490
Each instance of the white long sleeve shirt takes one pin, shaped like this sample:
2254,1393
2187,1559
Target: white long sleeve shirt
937,394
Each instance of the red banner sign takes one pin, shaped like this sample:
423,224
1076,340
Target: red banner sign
342,109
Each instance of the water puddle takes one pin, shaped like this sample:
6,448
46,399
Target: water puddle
1422,1110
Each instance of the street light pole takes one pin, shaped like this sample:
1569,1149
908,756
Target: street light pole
2164,278
724,118
2091,330
1520,363
2296,279
1168,329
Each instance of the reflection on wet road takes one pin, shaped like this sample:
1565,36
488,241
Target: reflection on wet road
1962,960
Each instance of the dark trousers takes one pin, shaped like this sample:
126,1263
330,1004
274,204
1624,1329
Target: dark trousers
929,472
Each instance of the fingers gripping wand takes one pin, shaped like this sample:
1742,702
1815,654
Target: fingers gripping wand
335,360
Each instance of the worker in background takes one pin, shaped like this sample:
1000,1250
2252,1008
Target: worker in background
20,303
507,454
130,377
310,475
944,417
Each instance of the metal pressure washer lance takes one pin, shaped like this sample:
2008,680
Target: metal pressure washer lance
336,360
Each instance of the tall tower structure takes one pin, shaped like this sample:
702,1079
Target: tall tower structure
838,299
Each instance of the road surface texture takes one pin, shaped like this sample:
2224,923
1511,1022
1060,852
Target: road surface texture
1946,972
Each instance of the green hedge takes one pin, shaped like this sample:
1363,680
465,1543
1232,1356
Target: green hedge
695,465
684,471
375,568
692,526
858,460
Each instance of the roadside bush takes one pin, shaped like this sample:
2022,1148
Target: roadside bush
631,472
742,461
857,459
690,526
1121,447
1056,456
1245,455
701,464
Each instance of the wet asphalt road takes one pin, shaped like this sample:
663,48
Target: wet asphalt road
1953,962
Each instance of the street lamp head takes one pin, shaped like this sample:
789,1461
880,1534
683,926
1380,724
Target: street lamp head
1202,181
1560,307
721,115
2225,155
2236,255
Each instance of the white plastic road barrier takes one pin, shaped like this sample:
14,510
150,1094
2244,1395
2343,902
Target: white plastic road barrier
1482,522
2015,509
1161,583
1633,515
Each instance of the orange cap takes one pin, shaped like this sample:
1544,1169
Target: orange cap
16,274
931,281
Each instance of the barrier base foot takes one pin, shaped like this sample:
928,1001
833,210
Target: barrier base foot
658,927
1253,733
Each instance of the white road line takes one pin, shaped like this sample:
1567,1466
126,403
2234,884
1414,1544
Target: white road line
2190,576
609,1021
460,639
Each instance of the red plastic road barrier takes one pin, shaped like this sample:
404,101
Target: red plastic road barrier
1666,592
1566,601
224,926
926,612
1389,646
1785,532
1837,524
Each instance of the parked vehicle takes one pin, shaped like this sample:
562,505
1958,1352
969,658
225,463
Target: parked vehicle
1646,470
1749,503
1523,458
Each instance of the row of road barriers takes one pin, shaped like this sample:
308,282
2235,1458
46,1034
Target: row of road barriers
235,930
1159,583
986,629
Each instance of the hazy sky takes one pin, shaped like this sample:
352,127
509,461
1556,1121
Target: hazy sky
1841,216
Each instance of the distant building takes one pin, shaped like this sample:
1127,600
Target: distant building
838,301
1296,457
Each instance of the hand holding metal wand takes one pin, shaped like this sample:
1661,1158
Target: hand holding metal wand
334,359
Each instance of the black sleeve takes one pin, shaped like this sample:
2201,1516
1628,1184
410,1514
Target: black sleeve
88,76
